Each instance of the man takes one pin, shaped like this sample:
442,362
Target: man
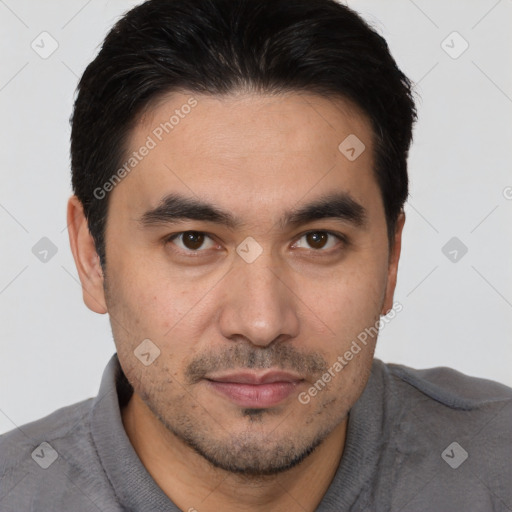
240,171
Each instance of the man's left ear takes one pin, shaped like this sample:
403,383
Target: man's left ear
394,256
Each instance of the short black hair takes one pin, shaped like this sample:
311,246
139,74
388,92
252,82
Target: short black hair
219,47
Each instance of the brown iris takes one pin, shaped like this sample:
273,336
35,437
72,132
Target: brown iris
193,240
317,239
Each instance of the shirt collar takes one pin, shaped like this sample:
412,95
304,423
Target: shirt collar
133,486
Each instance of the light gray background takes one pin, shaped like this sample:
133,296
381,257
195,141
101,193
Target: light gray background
457,314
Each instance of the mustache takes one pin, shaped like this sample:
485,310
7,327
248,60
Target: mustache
243,356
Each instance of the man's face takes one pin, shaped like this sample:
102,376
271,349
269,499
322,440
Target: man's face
292,297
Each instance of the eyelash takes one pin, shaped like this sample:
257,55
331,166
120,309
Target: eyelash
341,238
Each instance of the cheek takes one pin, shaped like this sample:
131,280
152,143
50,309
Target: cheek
170,312
140,284
140,312
348,306
139,309
350,296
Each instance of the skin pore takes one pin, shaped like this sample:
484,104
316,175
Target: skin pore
319,281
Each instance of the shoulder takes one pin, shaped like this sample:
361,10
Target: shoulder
450,387
64,423
442,397
450,429
35,458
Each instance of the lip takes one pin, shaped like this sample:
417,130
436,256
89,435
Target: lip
255,390
256,378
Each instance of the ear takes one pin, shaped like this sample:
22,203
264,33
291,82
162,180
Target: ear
86,258
394,256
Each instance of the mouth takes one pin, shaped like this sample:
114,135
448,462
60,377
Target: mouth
255,390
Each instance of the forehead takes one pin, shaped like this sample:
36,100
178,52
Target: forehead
249,149
250,123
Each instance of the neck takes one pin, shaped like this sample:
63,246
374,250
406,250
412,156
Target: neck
193,483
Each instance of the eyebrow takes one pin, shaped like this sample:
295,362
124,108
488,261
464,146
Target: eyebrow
174,208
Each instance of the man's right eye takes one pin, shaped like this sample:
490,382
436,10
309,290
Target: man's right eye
191,241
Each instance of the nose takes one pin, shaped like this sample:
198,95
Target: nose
259,304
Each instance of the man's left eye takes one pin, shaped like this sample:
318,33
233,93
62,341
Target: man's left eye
320,240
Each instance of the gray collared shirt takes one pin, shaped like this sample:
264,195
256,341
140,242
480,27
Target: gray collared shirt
417,441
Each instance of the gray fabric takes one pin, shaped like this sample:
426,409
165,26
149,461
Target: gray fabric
398,429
